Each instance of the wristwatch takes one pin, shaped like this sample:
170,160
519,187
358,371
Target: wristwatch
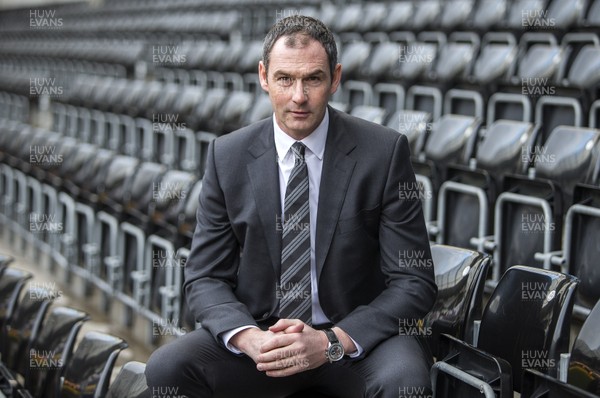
335,350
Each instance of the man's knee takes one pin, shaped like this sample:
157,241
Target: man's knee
165,367
178,367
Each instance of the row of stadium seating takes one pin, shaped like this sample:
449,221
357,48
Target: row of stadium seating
39,358
254,18
495,57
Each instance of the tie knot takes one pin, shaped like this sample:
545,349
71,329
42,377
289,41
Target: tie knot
298,150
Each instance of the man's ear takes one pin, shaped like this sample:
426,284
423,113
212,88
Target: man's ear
262,75
336,78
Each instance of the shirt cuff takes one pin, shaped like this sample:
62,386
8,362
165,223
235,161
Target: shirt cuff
226,336
359,350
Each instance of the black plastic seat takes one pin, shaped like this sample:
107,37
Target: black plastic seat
580,249
52,349
113,188
232,112
456,13
5,262
525,324
352,56
415,125
11,283
529,213
489,13
260,110
583,375
451,140
468,195
141,189
371,113
460,277
208,108
498,54
455,58
88,371
584,362
130,382
23,327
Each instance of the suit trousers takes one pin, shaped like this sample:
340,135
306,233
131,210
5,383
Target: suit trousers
196,366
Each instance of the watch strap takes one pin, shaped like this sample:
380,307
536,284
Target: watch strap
331,336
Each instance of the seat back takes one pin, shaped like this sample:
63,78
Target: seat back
527,319
584,366
581,249
130,382
119,170
171,194
5,262
141,186
12,282
566,156
460,277
24,326
88,372
501,150
415,125
51,350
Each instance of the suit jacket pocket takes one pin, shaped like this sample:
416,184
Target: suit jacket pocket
365,219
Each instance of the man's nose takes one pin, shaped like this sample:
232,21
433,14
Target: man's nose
300,95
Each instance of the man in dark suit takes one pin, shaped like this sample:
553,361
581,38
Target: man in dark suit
298,271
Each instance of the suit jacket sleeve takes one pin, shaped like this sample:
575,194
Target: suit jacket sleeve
210,275
410,288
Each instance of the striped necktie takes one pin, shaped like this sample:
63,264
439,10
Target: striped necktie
294,289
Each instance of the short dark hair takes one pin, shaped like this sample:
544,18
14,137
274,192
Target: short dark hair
301,25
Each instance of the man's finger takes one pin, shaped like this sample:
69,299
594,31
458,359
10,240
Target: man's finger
278,341
287,326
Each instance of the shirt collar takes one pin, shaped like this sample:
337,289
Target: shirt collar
315,141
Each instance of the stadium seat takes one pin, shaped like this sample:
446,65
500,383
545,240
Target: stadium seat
489,13
371,113
5,261
580,374
579,249
24,326
592,18
525,324
451,140
565,14
415,125
466,198
206,110
130,382
88,371
460,277
52,349
11,284
455,14
496,59
528,214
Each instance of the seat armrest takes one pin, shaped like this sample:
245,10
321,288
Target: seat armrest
486,367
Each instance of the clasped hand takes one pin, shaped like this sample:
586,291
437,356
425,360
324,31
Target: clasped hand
288,347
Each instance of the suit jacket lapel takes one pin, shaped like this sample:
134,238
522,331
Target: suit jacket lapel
264,173
335,177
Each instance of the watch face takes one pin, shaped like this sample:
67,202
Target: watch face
336,352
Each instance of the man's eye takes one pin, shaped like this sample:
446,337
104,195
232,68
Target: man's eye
284,80
313,80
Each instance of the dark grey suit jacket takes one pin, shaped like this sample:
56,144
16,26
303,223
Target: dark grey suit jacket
364,227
